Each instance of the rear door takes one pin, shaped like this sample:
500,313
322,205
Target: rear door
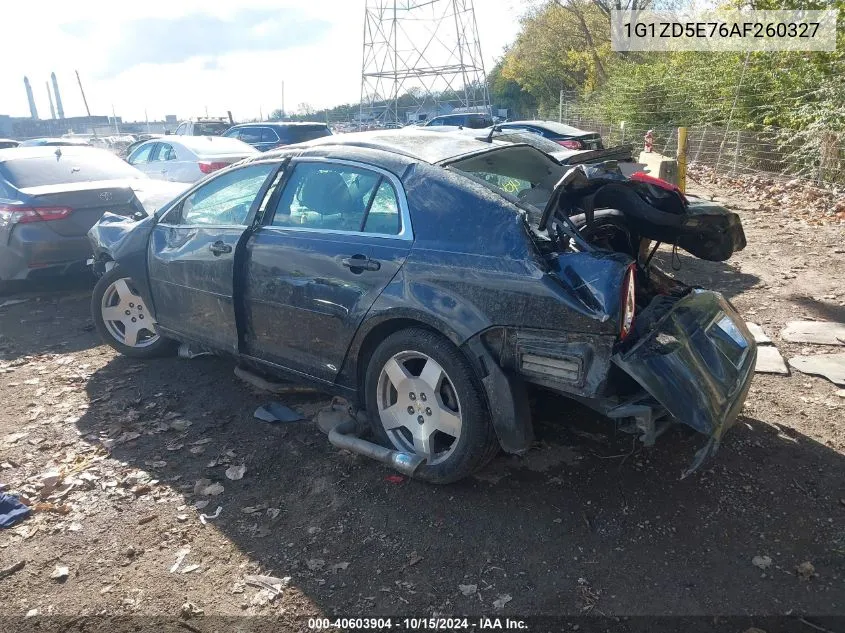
335,234
141,158
192,253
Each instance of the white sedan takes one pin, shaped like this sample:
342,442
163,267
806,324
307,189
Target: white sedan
187,158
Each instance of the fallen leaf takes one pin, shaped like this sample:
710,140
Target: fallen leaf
805,570
235,472
502,600
763,562
315,564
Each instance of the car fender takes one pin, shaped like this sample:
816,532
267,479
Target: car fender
124,241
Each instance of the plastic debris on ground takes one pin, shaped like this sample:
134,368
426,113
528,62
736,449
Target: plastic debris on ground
818,332
769,361
205,518
394,479
11,510
276,412
831,366
757,332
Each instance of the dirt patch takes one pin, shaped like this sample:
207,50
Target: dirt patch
589,521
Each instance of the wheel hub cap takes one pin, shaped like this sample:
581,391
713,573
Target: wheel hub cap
418,407
126,317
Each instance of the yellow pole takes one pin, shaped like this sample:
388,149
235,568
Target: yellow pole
682,159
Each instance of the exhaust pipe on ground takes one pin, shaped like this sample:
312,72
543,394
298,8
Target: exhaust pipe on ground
343,436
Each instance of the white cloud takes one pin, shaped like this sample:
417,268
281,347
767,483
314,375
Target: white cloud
89,35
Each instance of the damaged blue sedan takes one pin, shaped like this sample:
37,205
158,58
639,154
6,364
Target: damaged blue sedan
428,278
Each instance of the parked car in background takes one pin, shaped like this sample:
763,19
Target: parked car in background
6,143
51,196
475,120
203,126
54,142
564,135
187,158
428,278
270,135
126,151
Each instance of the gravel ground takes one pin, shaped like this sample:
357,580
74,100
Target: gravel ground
587,523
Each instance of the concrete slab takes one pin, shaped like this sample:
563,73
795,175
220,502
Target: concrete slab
831,366
758,333
769,361
820,332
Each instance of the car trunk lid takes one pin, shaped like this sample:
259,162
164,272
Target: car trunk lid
87,202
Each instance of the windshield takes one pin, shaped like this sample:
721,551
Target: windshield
517,171
210,128
66,167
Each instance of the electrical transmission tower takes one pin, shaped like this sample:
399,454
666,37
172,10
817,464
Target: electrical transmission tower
421,54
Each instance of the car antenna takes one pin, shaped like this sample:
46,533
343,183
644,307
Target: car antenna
493,129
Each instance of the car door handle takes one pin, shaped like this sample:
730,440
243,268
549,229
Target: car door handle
219,247
360,262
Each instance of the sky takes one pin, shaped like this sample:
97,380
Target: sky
185,56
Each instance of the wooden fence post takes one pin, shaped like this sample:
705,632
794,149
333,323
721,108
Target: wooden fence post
682,159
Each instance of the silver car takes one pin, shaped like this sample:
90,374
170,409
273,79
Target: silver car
187,158
51,196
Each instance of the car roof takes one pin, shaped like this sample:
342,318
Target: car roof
422,146
40,151
201,144
554,126
281,124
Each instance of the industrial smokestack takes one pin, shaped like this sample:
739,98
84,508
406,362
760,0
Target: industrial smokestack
50,97
58,96
32,110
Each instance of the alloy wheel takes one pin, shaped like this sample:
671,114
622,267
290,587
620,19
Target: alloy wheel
419,407
126,317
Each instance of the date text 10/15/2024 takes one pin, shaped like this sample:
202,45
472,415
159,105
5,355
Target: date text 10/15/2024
418,624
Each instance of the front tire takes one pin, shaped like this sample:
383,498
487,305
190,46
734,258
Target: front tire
423,397
123,320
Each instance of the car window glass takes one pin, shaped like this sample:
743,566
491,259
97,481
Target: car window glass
180,129
435,122
270,191
166,152
227,199
384,212
233,133
300,134
141,155
268,135
5,192
250,134
331,197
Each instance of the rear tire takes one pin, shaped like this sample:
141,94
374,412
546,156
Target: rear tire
415,375
122,319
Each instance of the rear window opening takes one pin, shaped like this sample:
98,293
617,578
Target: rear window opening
210,128
302,133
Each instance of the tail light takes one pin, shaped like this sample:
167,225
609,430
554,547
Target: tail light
207,167
641,176
11,214
628,302
570,144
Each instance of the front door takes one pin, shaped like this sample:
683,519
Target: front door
335,237
192,254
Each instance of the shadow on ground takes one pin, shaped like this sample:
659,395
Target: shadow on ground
589,521
53,316
719,276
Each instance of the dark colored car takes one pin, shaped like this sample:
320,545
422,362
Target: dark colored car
6,143
565,135
51,196
472,120
406,272
54,142
267,136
